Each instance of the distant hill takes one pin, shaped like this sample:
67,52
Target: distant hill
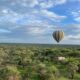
39,45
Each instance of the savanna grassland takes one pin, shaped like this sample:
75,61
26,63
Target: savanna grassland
39,62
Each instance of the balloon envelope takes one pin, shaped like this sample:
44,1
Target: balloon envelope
58,35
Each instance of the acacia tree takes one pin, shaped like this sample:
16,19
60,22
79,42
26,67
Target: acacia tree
3,56
72,67
47,72
21,57
9,73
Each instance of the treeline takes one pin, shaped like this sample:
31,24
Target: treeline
34,63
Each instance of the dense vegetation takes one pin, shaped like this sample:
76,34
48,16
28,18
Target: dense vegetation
21,62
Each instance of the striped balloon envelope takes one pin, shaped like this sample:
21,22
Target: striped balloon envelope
58,35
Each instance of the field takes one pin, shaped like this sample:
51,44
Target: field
39,62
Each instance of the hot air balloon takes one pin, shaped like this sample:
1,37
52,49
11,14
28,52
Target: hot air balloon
58,35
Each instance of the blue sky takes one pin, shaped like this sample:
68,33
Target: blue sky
33,21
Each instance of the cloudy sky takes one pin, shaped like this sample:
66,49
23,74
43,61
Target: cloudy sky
33,21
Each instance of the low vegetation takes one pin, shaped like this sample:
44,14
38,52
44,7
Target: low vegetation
21,62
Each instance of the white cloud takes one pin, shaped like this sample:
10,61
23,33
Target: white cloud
60,1
40,3
5,11
36,31
8,11
13,16
76,15
4,31
74,26
74,0
71,29
72,33
31,3
77,19
51,3
8,16
34,24
33,18
24,3
52,15
73,37
38,28
46,4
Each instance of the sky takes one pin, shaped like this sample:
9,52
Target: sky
34,21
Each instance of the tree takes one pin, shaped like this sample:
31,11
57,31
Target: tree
72,67
3,56
9,73
48,72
